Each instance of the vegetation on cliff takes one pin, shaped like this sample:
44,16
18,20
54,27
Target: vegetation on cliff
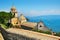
48,32
4,18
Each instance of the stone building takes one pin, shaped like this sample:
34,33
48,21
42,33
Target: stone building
15,21
18,21
42,26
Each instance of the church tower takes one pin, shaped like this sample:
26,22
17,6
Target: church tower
22,18
14,11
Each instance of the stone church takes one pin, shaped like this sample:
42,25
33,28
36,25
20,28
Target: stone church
18,21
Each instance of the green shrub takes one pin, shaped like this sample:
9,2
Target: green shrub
57,34
3,26
40,31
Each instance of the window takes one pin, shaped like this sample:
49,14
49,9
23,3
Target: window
17,23
14,14
40,25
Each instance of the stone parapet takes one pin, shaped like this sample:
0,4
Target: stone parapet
31,34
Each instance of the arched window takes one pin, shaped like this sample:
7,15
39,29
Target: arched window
40,25
17,23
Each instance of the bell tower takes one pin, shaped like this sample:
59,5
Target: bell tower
14,11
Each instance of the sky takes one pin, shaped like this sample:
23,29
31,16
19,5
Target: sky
32,7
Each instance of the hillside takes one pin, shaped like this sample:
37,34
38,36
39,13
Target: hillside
4,18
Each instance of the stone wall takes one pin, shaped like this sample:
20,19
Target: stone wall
30,35
13,36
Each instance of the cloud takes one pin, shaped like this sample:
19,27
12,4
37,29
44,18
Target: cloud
5,10
44,12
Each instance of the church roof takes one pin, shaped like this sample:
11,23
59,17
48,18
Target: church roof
29,24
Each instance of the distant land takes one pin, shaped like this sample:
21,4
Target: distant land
51,21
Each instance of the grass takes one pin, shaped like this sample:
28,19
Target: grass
3,26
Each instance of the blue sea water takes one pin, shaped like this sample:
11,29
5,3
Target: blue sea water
51,21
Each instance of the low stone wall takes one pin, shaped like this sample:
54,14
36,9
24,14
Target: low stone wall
30,35
13,36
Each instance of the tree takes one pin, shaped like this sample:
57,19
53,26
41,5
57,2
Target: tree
1,20
57,34
5,17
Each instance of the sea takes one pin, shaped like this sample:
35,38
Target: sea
51,21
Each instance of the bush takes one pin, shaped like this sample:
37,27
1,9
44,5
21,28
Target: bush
46,32
1,20
3,26
5,17
57,34
9,25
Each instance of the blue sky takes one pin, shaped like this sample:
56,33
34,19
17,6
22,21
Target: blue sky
32,7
